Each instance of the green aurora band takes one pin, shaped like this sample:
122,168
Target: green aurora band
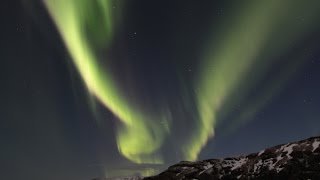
222,74
229,61
87,25
84,25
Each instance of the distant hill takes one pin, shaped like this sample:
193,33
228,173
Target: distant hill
297,160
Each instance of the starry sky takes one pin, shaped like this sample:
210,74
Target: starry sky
113,87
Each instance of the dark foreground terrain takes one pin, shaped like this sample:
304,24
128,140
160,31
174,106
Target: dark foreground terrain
297,160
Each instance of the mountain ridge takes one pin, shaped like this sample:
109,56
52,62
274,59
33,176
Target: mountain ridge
295,160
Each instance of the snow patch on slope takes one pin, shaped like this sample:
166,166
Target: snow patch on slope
315,145
239,163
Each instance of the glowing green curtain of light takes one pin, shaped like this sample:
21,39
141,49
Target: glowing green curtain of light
84,26
226,64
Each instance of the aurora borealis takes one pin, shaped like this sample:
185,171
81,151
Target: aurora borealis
129,87
73,26
221,73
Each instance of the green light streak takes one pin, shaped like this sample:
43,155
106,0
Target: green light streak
229,60
87,26
84,25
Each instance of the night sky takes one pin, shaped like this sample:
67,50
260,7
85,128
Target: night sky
93,88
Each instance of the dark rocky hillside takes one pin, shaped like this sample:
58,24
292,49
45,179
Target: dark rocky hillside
297,160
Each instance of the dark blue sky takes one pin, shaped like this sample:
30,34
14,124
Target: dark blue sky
49,129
